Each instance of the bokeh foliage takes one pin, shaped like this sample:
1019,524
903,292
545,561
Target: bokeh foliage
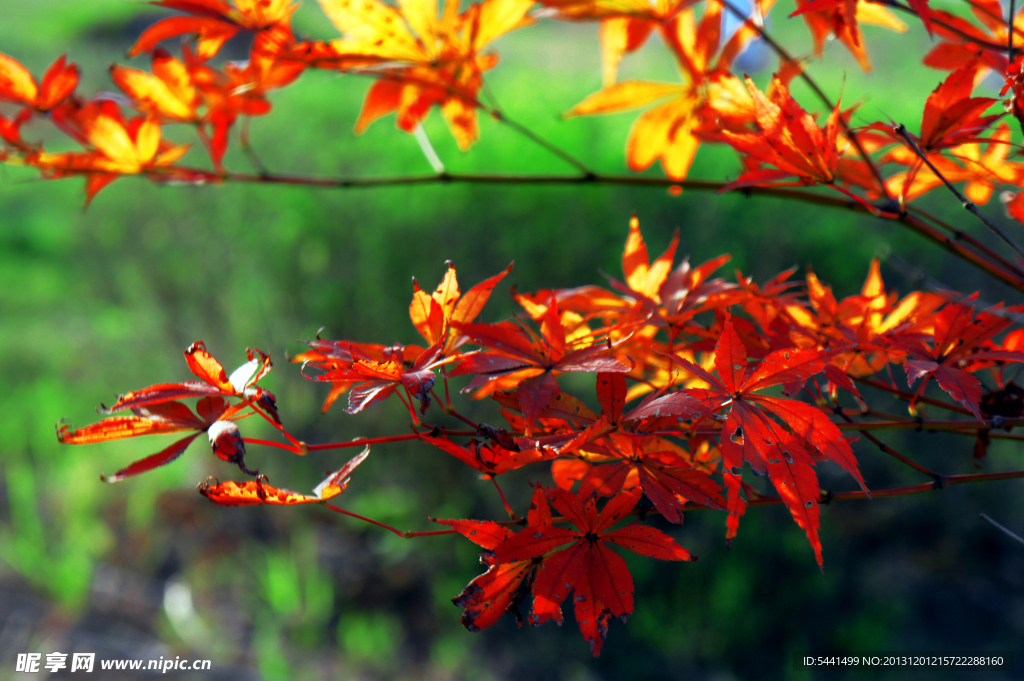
98,302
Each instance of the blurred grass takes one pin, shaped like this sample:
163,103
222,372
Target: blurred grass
103,301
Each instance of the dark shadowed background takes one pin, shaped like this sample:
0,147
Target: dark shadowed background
99,302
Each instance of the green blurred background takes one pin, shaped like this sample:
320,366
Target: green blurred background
98,302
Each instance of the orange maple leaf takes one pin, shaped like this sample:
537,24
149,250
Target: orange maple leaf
168,92
441,55
842,18
215,418
256,492
116,147
709,96
789,139
17,84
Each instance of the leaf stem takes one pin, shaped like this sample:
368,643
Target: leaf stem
250,153
497,115
208,145
511,513
449,409
364,442
278,426
364,518
268,443
428,533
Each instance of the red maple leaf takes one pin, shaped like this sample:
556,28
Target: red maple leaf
961,336
751,434
375,381
213,381
624,461
516,357
215,418
789,139
598,575
505,585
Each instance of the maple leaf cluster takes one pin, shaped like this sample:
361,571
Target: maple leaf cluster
423,54
696,378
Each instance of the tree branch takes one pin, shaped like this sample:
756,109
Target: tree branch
1010,278
901,130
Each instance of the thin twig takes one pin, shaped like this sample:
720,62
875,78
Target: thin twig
901,130
985,517
824,498
887,449
987,44
1009,43
925,424
526,132
906,396
828,497
1004,436
960,235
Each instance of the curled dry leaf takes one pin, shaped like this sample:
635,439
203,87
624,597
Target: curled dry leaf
258,491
